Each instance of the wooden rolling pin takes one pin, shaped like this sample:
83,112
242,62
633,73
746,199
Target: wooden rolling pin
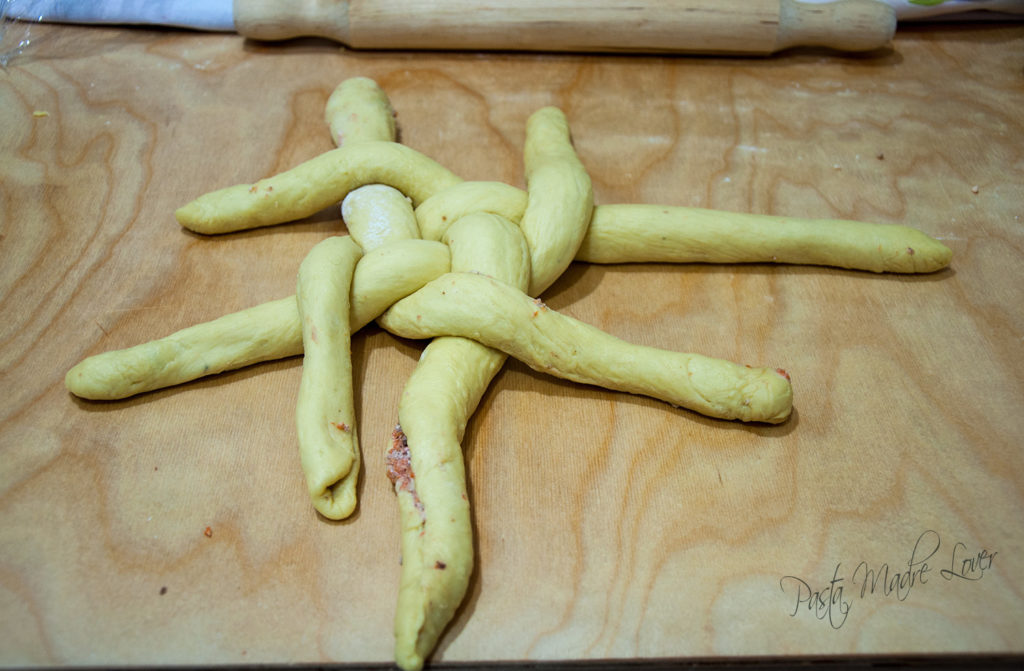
665,26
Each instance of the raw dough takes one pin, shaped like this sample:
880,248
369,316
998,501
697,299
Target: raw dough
325,411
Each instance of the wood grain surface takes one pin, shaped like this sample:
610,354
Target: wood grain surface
607,525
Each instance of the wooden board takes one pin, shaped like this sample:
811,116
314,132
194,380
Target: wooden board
607,526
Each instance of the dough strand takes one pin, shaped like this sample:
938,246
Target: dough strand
261,333
377,214
560,199
325,411
634,233
362,123
442,393
358,110
489,250
653,234
490,312
315,184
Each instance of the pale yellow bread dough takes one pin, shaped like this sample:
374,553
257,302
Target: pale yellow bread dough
377,214
318,183
651,233
489,305
477,307
391,272
560,198
629,233
491,245
261,333
358,110
439,398
437,213
325,410
614,233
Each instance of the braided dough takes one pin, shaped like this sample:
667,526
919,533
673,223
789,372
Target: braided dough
437,213
425,461
490,312
311,186
487,248
377,214
359,112
616,233
666,234
262,333
450,377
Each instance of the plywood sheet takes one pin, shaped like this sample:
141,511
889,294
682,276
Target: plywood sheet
607,525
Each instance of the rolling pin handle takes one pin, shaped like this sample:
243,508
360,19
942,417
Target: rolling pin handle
275,20
848,25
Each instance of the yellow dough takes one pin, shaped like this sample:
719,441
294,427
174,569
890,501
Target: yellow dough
325,411
357,111
377,214
650,233
454,372
360,115
630,233
391,272
261,333
444,208
477,307
487,247
439,398
491,245
318,183
560,199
